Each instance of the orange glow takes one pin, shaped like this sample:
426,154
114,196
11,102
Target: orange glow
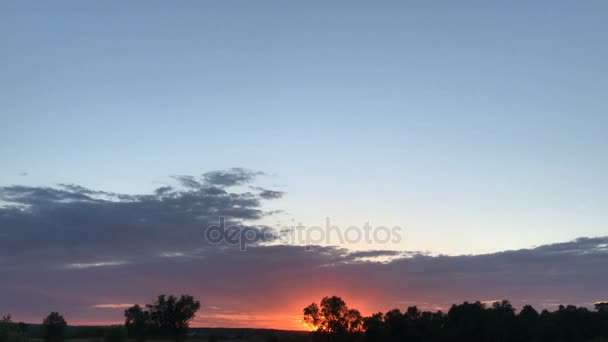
283,311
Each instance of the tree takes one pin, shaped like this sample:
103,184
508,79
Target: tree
396,325
312,316
171,316
601,307
137,323
528,313
601,319
500,321
168,317
473,322
54,326
527,322
466,322
6,327
412,313
375,328
333,318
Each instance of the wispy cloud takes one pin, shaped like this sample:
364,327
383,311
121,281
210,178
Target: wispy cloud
96,264
112,306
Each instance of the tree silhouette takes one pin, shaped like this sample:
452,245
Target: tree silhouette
601,307
6,327
167,317
172,316
54,326
333,319
465,322
500,321
527,323
375,328
137,323
396,325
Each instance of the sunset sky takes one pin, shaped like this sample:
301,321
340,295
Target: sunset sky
478,129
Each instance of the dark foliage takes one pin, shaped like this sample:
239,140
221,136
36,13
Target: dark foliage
167,317
12,332
333,320
137,322
54,327
474,322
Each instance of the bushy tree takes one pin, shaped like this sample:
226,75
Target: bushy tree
137,323
601,307
54,326
375,327
500,321
333,318
6,327
466,322
172,316
168,316
396,325
527,323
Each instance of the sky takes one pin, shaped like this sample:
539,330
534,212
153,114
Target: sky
127,129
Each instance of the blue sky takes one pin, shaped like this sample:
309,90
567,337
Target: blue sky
479,127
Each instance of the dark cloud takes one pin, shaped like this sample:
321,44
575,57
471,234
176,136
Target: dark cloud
231,177
374,254
70,224
188,181
38,196
234,176
581,245
268,194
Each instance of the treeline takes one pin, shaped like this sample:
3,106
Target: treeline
52,329
334,321
168,317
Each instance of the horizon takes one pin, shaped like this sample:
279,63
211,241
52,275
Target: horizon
306,328
262,155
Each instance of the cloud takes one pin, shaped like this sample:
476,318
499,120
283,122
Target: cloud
96,264
268,194
279,280
69,248
374,254
188,181
77,227
234,176
112,306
